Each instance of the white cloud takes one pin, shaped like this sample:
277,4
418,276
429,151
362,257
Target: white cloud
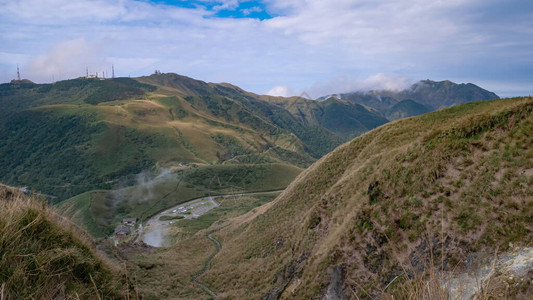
311,40
248,11
344,84
281,90
226,4
382,81
66,60
369,26
87,12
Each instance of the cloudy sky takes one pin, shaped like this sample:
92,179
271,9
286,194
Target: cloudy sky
281,47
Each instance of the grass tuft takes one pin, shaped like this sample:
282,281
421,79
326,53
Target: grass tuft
42,256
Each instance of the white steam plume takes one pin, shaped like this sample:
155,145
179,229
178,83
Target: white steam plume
67,60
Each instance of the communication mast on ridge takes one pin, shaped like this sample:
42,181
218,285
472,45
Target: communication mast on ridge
112,71
18,73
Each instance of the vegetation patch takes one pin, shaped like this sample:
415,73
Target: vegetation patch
170,218
43,256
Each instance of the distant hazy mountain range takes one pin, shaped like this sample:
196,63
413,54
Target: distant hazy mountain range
423,96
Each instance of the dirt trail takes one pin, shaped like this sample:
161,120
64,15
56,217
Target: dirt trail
207,266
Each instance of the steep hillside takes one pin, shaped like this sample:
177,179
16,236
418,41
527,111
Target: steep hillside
343,118
441,94
42,256
406,108
434,190
423,96
236,105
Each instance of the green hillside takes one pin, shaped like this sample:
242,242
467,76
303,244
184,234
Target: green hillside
72,136
406,108
382,209
343,118
100,211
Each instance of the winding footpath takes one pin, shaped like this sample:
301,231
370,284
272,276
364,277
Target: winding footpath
207,266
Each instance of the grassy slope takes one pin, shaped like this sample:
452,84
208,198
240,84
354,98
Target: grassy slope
383,200
42,256
342,119
133,127
406,108
168,272
317,140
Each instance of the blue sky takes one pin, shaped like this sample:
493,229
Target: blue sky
281,47
225,9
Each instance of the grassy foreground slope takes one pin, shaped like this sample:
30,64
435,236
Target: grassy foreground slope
428,190
42,256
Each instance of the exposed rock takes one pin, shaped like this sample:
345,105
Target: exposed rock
334,290
510,275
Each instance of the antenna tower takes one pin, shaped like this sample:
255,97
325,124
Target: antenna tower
87,71
18,73
112,71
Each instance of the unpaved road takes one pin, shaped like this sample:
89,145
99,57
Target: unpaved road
207,266
154,233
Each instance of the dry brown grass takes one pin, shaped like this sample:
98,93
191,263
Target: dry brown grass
43,256
431,173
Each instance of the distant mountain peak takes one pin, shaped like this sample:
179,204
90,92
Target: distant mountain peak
424,95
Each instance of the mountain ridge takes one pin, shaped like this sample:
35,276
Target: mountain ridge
116,128
432,95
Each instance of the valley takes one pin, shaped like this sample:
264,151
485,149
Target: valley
266,149
111,130
246,196
154,232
